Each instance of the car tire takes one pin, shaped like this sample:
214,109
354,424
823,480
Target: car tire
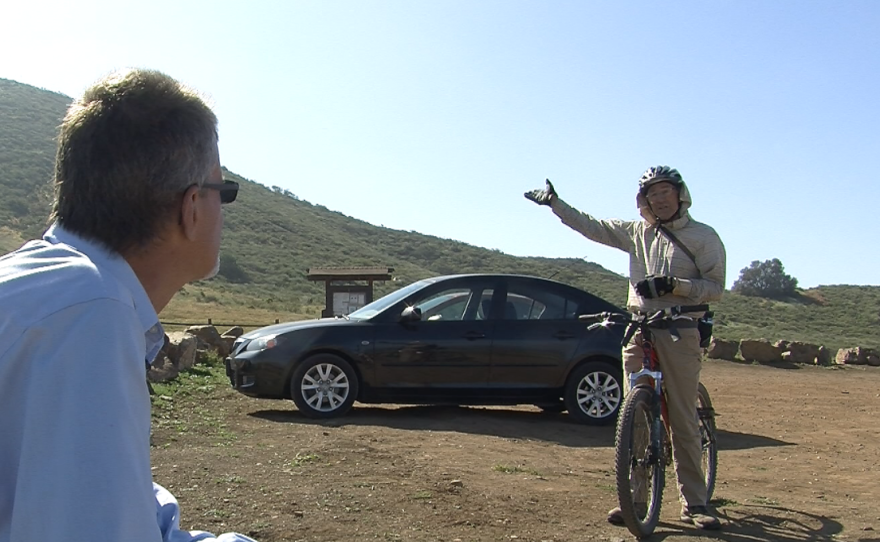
324,386
594,393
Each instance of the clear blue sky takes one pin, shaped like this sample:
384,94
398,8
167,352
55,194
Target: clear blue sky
437,116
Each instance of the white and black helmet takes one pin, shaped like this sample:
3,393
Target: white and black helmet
659,174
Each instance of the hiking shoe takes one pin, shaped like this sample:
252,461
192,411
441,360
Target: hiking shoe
615,517
700,517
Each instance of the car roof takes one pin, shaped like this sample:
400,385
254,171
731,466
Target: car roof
497,275
441,278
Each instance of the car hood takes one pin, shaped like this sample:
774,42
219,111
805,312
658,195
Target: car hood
279,329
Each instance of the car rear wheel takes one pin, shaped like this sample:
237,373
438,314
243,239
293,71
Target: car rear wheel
594,393
324,386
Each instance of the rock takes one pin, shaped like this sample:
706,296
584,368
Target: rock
824,356
162,370
799,352
760,350
722,349
857,356
235,331
847,356
228,341
185,347
168,349
209,335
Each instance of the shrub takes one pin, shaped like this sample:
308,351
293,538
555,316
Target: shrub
765,279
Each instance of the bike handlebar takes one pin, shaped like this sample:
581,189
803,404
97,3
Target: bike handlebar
627,317
640,319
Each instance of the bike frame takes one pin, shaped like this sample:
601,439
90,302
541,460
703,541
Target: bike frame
651,369
649,378
657,452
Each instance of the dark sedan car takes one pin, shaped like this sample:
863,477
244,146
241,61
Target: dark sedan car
462,340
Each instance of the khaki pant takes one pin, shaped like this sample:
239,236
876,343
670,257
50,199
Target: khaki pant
680,362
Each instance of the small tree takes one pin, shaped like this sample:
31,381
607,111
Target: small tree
765,279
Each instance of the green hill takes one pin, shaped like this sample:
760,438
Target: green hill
272,238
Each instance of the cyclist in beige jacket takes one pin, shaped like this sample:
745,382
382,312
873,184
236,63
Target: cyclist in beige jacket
662,274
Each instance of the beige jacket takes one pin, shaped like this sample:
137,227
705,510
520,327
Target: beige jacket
652,253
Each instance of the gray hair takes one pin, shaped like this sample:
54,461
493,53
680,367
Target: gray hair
127,150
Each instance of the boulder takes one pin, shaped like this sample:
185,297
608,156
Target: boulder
799,352
210,339
185,350
824,356
169,349
178,354
849,356
162,370
207,333
235,331
760,350
722,349
228,341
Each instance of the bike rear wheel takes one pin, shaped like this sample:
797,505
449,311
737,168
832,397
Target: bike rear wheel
639,464
706,415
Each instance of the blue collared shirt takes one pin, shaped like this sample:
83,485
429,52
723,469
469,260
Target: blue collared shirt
75,329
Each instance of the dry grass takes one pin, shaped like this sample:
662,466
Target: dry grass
197,304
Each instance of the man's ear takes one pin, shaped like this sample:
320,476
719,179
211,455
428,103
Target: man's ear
189,215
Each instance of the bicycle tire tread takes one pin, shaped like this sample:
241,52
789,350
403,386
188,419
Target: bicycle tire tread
638,398
712,470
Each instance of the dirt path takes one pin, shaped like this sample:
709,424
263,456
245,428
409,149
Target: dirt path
799,461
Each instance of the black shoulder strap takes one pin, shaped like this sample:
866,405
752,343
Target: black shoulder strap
675,240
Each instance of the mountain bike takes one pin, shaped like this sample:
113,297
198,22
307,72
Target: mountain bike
642,446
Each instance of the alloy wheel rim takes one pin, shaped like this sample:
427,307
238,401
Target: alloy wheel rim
325,387
598,394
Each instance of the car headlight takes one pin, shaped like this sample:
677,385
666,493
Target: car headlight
264,343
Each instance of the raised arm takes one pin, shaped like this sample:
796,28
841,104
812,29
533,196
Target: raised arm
614,233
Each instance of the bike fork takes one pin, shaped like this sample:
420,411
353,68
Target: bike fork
657,431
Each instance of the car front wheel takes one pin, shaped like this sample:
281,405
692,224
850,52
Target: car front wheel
594,393
324,386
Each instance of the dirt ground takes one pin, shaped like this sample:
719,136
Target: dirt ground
799,461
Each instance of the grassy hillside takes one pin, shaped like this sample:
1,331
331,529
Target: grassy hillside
28,121
272,238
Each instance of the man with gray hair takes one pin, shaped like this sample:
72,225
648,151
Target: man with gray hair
137,215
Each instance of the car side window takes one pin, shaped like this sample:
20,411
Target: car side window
484,308
524,303
446,305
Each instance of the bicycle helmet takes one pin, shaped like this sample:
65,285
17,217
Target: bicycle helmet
659,174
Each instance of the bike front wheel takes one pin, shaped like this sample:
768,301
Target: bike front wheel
639,463
706,416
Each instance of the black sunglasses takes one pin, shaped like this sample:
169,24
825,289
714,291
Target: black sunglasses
228,190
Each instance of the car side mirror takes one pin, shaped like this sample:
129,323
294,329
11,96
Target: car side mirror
411,314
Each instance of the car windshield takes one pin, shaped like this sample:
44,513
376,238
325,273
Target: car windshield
374,308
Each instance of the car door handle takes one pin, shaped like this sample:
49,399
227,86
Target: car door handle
473,335
562,335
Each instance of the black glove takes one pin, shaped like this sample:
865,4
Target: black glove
542,197
652,287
